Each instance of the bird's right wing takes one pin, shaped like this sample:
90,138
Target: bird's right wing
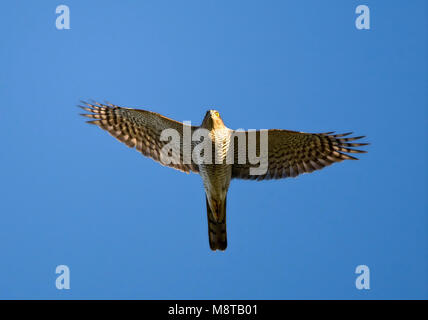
290,153
142,129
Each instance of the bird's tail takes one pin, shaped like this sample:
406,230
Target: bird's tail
217,225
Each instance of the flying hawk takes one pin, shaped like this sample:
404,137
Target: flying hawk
286,154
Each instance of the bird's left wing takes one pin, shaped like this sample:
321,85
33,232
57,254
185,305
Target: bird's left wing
142,130
290,153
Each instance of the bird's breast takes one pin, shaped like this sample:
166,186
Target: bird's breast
216,175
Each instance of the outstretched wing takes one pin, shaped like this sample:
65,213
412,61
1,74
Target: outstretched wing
290,153
142,130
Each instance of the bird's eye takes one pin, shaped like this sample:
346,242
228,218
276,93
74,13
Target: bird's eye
217,114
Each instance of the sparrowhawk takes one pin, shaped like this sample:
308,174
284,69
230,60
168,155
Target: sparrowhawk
288,153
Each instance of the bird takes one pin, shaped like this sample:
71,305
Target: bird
232,154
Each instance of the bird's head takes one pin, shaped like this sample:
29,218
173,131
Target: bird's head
212,120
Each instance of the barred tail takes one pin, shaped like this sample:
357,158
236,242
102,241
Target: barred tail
217,226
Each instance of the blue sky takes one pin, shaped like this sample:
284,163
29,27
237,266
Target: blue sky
129,228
